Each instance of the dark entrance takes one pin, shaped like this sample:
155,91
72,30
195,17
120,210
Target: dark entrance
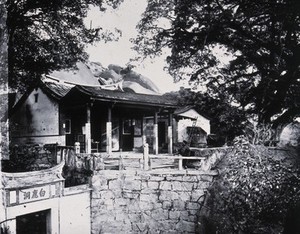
34,223
162,136
127,135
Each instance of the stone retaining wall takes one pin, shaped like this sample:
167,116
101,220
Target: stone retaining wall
147,202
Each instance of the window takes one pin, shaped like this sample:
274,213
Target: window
138,127
67,126
127,126
36,97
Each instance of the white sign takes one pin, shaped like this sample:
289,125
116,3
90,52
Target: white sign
34,194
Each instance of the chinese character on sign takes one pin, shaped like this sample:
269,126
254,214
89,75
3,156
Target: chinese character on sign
34,194
42,192
26,195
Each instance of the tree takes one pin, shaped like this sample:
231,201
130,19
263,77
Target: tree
48,35
262,36
226,121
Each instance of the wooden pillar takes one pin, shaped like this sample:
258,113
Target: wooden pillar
88,135
144,138
155,133
170,134
108,132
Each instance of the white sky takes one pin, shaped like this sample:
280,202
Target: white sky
120,52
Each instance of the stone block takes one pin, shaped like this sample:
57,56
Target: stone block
105,195
115,185
153,185
145,177
178,205
166,225
133,206
157,178
174,214
190,178
136,217
202,185
99,182
109,203
185,196
131,195
121,202
167,205
177,186
207,178
194,212
169,231
138,227
145,205
185,227
165,185
148,191
197,195
168,196
159,214
192,218
187,216
184,215
188,186
121,216
157,205
192,206
153,197
116,227
144,185
174,178
144,197
132,185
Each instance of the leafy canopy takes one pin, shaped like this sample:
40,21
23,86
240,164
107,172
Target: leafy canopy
48,35
261,36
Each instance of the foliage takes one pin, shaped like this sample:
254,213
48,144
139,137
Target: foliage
4,229
3,47
254,190
76,176
261,37
27,158
226,121
47,35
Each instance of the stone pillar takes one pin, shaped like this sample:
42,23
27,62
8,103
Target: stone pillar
88,140
108,132
155,134
170,134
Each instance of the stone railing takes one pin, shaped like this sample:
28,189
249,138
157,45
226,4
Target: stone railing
202,158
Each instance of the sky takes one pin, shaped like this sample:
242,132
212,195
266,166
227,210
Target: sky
120,52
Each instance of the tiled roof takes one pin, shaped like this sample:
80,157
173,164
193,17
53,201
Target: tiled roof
181,110
56,90
125,97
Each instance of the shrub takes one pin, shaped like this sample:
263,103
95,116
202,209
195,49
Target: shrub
254,190
27,158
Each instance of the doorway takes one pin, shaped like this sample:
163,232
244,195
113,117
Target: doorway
162,137
127,134
34,223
